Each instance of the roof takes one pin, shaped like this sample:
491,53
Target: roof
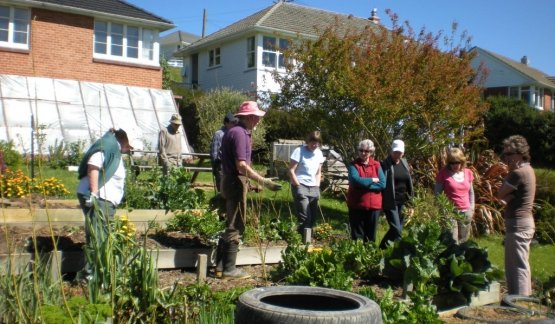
178,37
535,74
119,8
288,18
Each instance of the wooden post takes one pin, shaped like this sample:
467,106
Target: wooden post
201,267
307,236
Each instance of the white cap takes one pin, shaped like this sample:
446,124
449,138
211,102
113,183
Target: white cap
398,146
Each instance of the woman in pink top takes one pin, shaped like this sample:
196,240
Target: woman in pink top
455,180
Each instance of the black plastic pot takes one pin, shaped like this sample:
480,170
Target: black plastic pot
300,304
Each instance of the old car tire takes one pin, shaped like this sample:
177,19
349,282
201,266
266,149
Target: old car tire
512,301
300,304
467,313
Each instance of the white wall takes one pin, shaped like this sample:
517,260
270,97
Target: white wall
500,74
232,72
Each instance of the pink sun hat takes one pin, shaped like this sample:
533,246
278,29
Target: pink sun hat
250,108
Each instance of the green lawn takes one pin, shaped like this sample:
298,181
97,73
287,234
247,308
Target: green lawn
542,260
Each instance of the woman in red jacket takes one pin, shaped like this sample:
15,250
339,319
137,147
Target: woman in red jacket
364,198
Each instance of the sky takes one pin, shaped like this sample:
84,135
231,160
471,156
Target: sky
507,27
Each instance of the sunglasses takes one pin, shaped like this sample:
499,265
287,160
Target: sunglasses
364,151
454,163
509,153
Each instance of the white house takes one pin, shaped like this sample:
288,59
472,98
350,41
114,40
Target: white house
510,78
243,55
171,43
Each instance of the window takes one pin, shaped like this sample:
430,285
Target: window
525,94
272,51
538,97
251,52
214,57
14,27
513,92
120,42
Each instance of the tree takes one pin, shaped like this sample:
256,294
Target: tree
509,116
384,84
166,74
210,109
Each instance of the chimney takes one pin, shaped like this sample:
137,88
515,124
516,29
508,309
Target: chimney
524,60
374,17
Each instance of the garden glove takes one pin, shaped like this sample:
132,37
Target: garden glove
91,201
268,183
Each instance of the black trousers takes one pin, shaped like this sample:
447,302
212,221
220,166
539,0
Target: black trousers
364,224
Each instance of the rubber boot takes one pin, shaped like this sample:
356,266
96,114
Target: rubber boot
230,259
220,259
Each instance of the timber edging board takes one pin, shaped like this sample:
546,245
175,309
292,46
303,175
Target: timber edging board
73,261
17,216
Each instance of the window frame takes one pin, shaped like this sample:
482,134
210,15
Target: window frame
214,57
10,43
276,50
251,52
132,44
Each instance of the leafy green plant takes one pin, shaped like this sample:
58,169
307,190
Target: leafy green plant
393,310
151,190
203,223
334,267
141,190
425,241
79,309
363,259
177,193
466,268
277,229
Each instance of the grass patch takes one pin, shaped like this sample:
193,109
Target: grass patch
542,261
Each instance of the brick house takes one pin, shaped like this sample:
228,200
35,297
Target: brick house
515,79
105,41
74,68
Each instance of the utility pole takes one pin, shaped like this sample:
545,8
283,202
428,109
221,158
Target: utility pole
203,22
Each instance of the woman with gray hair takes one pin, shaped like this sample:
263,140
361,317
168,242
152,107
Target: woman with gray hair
517,192
364,197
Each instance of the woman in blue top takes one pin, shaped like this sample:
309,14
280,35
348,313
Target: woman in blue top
305,172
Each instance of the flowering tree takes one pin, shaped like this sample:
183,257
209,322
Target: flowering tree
384,84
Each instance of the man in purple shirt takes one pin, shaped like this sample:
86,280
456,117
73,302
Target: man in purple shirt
236,159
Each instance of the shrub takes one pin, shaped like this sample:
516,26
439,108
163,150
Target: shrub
545,223
210,111
12,158
507,116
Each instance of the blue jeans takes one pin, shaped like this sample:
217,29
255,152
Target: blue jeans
364,224
305,199
395,221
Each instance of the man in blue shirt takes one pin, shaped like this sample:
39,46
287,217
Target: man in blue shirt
215,149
